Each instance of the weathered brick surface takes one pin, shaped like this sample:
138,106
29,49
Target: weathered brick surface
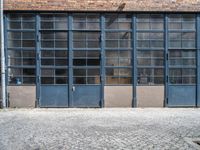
104,5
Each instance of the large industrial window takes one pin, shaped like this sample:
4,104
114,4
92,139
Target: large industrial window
53,41
86,49
182,48
54,48
118,48
21,49
150,49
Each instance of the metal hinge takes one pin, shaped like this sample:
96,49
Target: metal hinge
38,39
38,79
167,78
167,56
38,55
101,78
101,37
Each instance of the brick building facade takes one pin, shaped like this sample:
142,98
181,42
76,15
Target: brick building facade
104,5
102,53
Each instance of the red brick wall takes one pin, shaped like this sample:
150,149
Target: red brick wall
104,5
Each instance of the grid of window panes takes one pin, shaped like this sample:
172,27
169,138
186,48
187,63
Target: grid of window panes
150,49
86,48
54,48
182,48
118,49
21,49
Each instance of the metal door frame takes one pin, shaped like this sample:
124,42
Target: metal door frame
198,58
71,67
38,62
167,84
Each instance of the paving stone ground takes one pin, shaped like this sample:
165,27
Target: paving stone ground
91,129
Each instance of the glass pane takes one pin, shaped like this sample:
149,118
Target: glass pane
79,53
14,25
29,80
28,17
47,62
79,62
14,43
79,72
14,35
28,25
93,62
47,25
93,54
79,80
28,43
112,80
93,80
93,72
61,80
125,72
29,61
46,53
125,80
112,62
28,35
14,16
28,72
60,25
47,80
47,72
61,62
61,53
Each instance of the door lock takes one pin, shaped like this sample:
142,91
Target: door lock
73,88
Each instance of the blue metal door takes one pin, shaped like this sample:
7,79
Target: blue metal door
182,78
86,61
53,64
86,89
182,56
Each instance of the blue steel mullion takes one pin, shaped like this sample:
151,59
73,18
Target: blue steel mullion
38,59
6,57
198,59
102,26
134,61
70,60
166,75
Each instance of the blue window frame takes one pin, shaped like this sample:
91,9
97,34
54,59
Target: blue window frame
182,48
150,49
86,48
21,49
118,49
54,48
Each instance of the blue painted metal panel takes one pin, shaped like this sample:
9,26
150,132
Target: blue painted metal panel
134,61
181,95
54,96
87,96
198,60
166,59
70,58
38,59
102,25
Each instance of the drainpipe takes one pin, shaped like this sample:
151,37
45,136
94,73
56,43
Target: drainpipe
3,83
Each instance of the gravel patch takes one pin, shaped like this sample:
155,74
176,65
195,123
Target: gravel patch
120,128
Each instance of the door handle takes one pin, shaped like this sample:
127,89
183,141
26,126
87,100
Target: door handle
73,88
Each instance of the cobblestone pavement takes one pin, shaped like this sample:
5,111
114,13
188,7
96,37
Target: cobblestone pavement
98,128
